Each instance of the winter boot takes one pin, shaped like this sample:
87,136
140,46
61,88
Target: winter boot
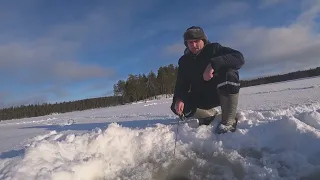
229,103
205,117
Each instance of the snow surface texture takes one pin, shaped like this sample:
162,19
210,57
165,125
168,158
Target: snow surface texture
278,138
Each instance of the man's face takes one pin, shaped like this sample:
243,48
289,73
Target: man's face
195,45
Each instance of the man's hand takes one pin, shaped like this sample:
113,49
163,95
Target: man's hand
208,73
179,106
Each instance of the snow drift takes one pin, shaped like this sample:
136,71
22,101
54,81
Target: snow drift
281,143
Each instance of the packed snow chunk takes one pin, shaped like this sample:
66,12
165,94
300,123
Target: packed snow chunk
151,104
311,118
115,152
125,153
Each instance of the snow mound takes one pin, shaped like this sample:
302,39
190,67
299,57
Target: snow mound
281,144
311,118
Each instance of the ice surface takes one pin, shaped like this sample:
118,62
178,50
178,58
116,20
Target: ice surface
278,138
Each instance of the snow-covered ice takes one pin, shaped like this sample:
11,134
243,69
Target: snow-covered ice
278,138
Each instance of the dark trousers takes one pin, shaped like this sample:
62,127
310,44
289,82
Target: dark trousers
225,82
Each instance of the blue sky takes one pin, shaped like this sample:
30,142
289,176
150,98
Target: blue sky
53,51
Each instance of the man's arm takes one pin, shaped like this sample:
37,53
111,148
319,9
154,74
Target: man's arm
182,84
227,58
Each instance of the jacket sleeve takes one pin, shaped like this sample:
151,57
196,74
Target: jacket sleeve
182,84
227,58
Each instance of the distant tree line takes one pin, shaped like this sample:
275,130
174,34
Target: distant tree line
281,77
34,110
134,88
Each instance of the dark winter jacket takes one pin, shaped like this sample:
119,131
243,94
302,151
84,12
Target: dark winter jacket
191,68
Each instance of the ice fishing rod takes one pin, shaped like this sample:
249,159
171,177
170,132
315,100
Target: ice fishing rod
182,118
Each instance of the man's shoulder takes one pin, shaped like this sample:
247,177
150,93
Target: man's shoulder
182,60
213,45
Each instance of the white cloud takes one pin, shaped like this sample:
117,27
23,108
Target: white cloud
51,58
227,9
268,3
77,71
2,98
285,48
220,12
40,56
8,99
174,49
36,99
41,51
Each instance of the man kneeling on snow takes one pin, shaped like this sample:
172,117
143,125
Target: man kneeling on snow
207,77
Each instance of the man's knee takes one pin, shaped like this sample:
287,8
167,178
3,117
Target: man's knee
229,82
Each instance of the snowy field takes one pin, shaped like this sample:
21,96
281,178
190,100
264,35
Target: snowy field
278,138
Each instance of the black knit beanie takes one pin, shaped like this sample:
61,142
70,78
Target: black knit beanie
194,32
